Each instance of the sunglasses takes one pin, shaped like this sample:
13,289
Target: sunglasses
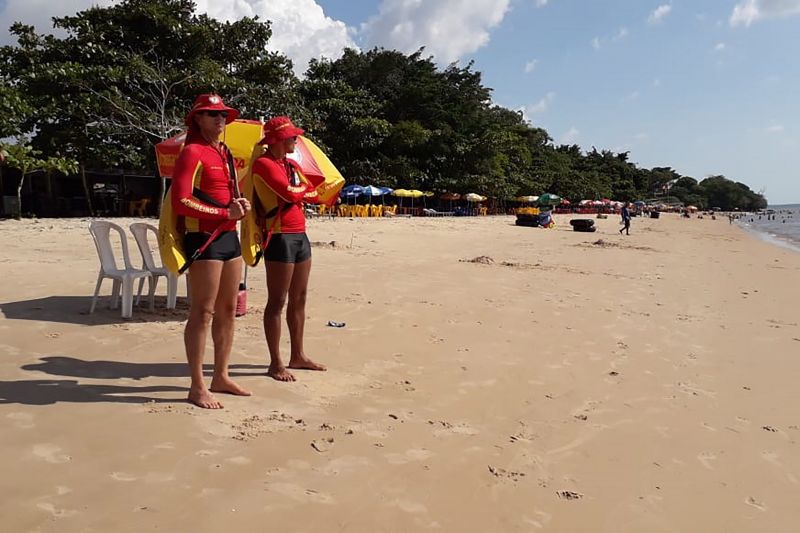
214,114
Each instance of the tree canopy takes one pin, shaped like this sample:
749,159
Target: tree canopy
118,79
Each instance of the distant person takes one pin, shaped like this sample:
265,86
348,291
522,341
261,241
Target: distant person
626,220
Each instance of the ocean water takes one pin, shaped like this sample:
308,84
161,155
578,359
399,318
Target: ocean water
782,228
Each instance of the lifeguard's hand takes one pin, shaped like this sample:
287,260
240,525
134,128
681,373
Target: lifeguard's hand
236,210
245,203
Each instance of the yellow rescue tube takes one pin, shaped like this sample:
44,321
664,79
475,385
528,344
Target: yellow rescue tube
170,241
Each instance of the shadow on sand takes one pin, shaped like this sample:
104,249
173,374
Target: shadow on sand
52,391
77,368
75,310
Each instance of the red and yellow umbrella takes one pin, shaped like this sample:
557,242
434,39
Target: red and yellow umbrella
242,136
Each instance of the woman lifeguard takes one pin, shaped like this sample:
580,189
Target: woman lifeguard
204,195
287,255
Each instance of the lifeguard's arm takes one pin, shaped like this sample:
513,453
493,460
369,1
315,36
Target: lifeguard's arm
274,178
183,201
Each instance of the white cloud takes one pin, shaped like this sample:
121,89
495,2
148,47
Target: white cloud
657,82
719,47
621,34
541,3
543,104
596,43
300,28
570,137
641,137
448,29
659,14
634,95
775,128
749,11
530,66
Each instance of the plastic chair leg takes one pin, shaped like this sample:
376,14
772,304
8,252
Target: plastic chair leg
127,297
139,291
152,282
172,291
96,292
115,294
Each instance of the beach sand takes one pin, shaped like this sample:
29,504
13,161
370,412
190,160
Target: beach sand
639,384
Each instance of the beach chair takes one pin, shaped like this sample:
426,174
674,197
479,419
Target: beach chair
123,277
139,231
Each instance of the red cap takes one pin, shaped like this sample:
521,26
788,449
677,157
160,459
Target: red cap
278,129
210,102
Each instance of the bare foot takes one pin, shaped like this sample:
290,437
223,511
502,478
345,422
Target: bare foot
280,373
226,385
304,363
203,398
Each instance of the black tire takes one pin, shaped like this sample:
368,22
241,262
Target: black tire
581,222
589,229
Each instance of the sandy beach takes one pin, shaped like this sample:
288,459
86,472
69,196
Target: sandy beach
562,382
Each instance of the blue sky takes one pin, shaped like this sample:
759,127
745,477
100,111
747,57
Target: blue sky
704,86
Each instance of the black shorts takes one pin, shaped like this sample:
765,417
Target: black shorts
224,248
288,248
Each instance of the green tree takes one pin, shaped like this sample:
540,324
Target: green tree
27,160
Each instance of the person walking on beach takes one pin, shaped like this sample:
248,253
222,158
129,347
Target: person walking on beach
626,220
287,254
203,194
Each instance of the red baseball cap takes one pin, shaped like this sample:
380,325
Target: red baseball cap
278,129
211,102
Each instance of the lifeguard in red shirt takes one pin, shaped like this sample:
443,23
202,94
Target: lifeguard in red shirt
288,252
203,194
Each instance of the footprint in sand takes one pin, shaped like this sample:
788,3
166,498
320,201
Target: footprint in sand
771,457
298,493
409,506
22,420
344,464
56,513
541,520
412,455
706,458
206,453
239,460
50,453
123,476
752,502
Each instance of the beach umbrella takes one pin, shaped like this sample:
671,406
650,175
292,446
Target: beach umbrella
317,169
450,196
371,190
565,202
351,191
585,202
549,199
242,137
527,199
404,193
472,197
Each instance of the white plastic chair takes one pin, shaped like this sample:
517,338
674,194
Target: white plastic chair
123,277
139,230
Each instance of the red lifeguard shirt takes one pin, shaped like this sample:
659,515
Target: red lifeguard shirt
285,191
202,166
